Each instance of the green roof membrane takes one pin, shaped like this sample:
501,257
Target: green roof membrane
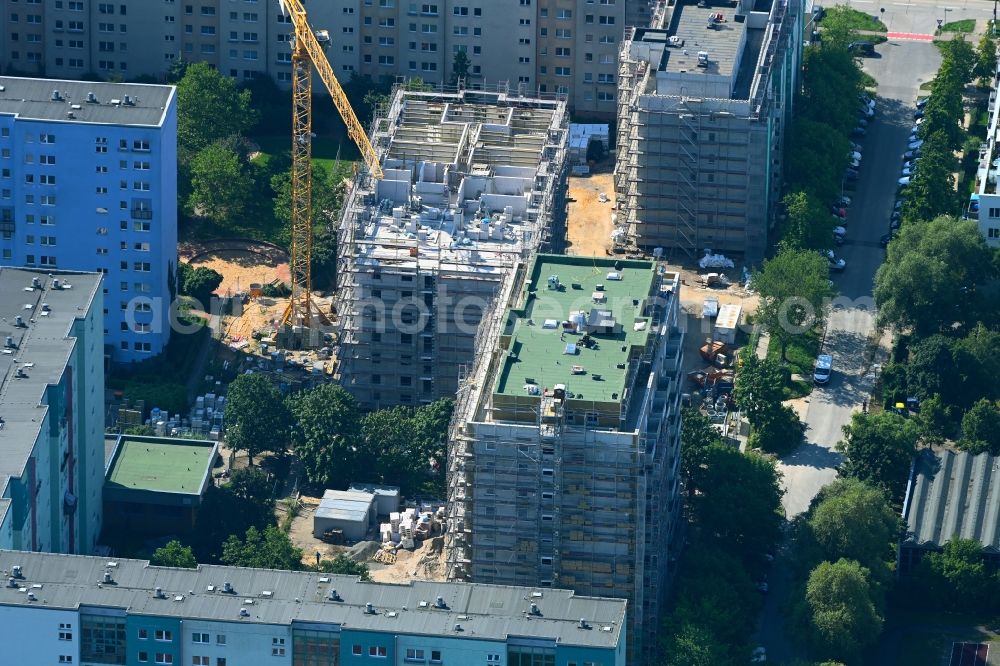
165,466
607,297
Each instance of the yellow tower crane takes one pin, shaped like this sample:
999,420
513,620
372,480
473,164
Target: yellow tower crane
308,53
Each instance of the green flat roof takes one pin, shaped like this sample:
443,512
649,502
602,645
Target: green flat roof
538,353
161,464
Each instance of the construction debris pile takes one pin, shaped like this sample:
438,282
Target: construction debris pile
406,527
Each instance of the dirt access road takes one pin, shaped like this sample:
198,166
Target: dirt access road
588,220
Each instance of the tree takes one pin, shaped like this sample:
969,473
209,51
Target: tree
959,53
174,554
777,431
809,224
935,420
759,388
270,549
256,418
459,67
327,436
957,577
697,436
794,289
986,60
209,107
929,279
839,26
740,506
879,448
853,519
199,282
817,155
694,645
244,502
344,565
840,615
328,192
220,184
981,428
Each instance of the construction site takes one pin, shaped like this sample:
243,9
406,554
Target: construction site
563,452
472,182
704,99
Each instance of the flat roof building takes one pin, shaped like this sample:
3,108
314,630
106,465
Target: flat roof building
89,176
704,99
51,410
75,609
564,447
472,185
156,484
351,511
951,494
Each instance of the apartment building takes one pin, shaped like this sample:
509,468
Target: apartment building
984,202
63,609
88,182
473,181
550,47
704,103
51,410
565,442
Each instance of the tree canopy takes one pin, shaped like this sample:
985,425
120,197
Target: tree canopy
244,502
342,564
327,436
928,281
210,107
809,224
794,289
981,428
741,501
697,436
840,615
958,578
270,549
221,185
409,446
174,554
198,282
879,448
255,416
853,519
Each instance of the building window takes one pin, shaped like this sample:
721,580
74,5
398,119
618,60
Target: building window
143,634
378,651
413,654
161,634
277,647
356,650
993,233
164,659
200,661
435,656
143,656
994,212
199,638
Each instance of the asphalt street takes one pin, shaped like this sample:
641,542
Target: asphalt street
900,68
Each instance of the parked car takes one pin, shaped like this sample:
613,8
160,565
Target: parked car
818,12
922,102
844,201
758,656
858,132
915,145
898,205
918,114
908,171
850,174
823,369
855,146
867,111
762,587
894,223
866,100
855,164
839,213
912,154
837,265
862,121
904,181
886,238
854,155
862,49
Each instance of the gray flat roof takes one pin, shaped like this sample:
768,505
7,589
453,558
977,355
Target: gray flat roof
689,22
953,494
375,489
486,612
32,99
42,349
344,505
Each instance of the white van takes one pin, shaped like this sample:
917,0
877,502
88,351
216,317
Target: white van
824,366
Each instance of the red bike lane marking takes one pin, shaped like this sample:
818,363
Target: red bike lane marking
911,36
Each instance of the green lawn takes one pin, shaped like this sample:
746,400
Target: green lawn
800,357
324,148
965,25
855,20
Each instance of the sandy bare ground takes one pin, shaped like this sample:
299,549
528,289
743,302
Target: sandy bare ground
588,222
239,269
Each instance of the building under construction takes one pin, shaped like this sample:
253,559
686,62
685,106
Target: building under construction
471,183
704,103
564,448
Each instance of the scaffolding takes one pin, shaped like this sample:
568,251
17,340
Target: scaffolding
541,493
470,182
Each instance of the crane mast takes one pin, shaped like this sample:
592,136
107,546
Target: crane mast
308,54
